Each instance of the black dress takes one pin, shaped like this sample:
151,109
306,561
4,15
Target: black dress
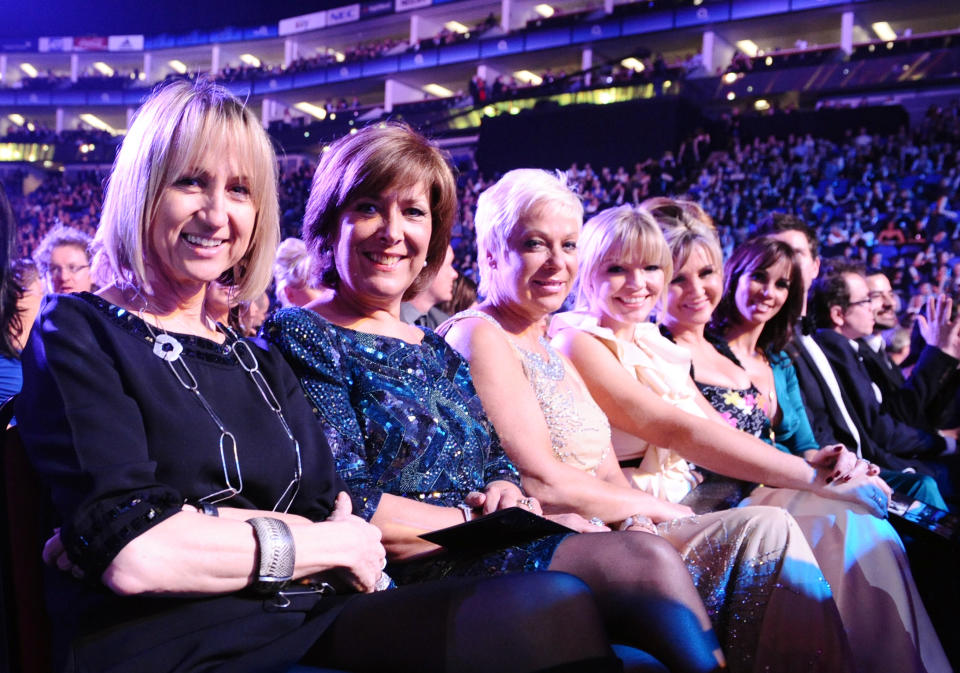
121,445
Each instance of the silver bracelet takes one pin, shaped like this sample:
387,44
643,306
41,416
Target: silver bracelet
276,552
467,511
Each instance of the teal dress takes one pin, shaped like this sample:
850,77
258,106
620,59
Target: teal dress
793,433
403,419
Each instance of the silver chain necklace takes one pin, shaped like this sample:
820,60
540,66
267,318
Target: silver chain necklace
168,349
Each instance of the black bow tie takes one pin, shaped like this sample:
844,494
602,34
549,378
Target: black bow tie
807,324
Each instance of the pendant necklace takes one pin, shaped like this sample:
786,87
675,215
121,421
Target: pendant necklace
169,349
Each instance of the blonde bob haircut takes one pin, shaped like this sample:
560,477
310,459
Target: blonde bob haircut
365,164
685,226
520,195
616,234
180,122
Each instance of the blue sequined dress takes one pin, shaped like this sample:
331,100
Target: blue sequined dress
403,419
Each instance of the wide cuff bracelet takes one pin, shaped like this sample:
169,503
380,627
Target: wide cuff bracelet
276,553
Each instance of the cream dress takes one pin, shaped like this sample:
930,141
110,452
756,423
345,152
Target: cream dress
768,601
861,556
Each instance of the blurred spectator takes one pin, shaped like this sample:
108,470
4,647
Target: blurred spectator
63,258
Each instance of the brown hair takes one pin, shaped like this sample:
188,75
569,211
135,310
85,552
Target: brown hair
365,164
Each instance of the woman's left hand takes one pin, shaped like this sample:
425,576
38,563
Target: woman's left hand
501,495
842,463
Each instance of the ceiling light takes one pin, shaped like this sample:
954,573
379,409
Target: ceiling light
544,10
528,77
311,109
98,123
29,69
438,91
456,27
731,96
633,64
103,69
748,47
16,119
730,77
250,59
884,31
761,104
179,66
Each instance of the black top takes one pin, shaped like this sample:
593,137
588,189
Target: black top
121,444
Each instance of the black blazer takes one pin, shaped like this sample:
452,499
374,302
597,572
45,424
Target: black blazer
895,436
922,398
881,437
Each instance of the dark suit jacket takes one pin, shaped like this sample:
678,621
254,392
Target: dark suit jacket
883,440
895,436
922,398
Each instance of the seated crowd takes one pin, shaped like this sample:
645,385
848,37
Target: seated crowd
715,443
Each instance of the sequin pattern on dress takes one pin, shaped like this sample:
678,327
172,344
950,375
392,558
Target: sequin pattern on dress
403,419
570,417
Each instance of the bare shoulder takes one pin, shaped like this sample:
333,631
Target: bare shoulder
475,337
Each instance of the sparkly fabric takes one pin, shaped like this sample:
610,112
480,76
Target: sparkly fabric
751,566
742,409
573,418
861,557
403,419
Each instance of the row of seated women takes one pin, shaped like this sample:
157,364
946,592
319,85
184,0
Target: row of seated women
201,480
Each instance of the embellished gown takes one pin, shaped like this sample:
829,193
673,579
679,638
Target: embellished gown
403,419
765,594
861,556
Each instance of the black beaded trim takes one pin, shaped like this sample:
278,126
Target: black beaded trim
130,322
125,520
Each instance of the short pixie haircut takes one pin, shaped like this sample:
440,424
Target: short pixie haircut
179,123
519,195
759,254
686,226
364,164
624,232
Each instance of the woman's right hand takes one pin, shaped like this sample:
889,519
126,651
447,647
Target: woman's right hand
577,523
356,543
862,488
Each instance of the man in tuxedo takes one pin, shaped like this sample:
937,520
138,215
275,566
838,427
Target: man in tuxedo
922,398
840,303
829,403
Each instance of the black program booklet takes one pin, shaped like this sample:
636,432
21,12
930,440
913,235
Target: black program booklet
503,528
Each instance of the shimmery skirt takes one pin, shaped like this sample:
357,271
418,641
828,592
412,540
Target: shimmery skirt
769,603
528,557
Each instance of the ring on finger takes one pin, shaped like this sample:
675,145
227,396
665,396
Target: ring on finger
597,521
526,502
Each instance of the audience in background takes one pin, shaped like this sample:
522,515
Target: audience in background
424,309
63,258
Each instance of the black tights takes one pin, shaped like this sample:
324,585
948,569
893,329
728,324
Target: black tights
521,623
645,595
